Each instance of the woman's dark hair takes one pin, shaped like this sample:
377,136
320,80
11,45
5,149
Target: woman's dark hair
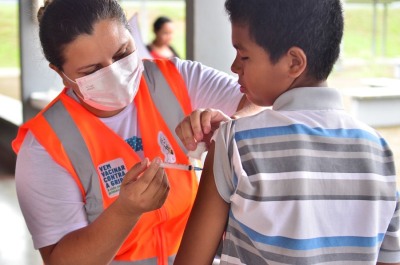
159,22
62,21
316,26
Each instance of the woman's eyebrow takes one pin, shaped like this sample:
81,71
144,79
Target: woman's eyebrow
119,50
124,45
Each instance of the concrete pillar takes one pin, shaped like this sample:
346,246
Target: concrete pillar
209,34
36,76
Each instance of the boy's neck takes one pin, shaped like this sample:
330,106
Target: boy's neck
304,81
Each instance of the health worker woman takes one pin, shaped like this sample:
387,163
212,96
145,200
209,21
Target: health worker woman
88,173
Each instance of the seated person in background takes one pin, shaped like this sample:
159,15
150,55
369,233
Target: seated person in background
160,47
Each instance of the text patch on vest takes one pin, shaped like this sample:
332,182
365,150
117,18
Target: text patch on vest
112,173
166,148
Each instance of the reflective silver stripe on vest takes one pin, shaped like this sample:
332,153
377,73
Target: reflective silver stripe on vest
152,261
163,97
75,147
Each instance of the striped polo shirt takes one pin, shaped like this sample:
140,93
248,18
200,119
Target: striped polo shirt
307,184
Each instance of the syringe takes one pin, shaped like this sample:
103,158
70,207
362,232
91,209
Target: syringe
180,166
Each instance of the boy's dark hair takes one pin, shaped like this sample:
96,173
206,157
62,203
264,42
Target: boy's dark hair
62,21
159,22
316,26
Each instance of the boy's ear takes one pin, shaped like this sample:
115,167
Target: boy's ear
297,60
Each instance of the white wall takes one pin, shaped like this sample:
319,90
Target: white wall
209,34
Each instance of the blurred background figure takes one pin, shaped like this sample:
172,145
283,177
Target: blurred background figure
160,47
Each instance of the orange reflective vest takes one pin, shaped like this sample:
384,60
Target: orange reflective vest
98,159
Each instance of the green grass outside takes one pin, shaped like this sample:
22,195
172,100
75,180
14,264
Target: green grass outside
356,42
358,33
9,44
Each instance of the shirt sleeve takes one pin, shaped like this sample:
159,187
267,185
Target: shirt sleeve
224,163
390,248
49,198
208,87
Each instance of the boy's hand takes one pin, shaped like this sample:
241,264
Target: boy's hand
145,188
199,126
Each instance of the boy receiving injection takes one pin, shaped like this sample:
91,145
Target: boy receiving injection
303,182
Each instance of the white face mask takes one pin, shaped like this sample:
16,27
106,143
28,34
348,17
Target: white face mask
112,87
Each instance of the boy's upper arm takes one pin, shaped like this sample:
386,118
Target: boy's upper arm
390,247
206,222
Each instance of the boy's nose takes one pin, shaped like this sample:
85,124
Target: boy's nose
235,67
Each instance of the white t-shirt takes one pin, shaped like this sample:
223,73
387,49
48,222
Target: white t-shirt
49,198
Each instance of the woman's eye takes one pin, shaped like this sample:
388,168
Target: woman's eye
123,54
91,71
118,57
244,58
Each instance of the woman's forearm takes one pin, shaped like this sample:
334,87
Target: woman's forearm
98,243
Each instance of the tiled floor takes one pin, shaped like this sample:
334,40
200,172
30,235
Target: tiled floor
16,246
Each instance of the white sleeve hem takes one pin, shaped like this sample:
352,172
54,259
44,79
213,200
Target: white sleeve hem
208,87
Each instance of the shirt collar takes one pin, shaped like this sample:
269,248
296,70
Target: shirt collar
309,98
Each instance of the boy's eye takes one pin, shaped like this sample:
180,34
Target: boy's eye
244,58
